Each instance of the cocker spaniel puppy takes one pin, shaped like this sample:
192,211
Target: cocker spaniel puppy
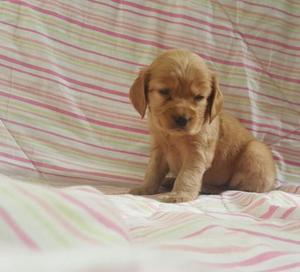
206,149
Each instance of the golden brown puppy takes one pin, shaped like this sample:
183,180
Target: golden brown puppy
206,149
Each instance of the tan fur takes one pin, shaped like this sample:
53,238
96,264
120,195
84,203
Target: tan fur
213,151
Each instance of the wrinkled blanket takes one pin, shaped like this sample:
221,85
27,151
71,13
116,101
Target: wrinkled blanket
66,120
80,229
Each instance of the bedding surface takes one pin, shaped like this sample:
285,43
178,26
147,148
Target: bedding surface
66,120
66,67
80,229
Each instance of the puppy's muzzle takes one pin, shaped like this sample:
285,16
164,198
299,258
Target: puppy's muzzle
181,121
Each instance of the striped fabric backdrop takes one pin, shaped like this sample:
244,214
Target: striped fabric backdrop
66,67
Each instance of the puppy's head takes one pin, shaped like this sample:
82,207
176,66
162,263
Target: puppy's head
180,91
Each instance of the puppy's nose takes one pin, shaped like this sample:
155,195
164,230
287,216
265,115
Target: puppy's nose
181,121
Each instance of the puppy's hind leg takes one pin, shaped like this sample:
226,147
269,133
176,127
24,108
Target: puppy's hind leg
208,189
255,169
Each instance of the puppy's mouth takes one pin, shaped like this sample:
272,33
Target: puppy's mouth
178,131
181,131
171,127
175,121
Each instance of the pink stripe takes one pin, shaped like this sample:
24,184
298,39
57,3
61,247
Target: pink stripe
240,64
272,209
235,215
258,116
207,14
275,139
84,152
202,22
287,150
281,227
283,52
97,18
88,26
112,136
62,99
6,163
225,19
198,28
254,233
97,22
242,197
263,257
272,97
260,13
60,168
277,136
227,52
18,231
74,81
82,180
260,93
58,217
199,232
295,132
157,18
117,34
71,164
221,266
284,268
174,38
75,115
65,68
255,204
208,250
71,55
266,256
284,160
288,212
167,13
73,140
271,7
71,45
293,229
102,219
61,83
259,234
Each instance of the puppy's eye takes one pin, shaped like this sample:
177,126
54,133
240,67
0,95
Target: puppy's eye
165,92
198,98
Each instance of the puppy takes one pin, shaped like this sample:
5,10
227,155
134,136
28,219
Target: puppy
206,149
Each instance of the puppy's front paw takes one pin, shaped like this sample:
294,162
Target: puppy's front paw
176,197
142,190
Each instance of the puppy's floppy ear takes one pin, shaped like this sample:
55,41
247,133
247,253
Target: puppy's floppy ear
215,99
138,92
